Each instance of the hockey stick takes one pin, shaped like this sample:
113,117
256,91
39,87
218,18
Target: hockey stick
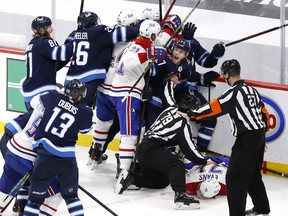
275,172
165,46
19,184
256,35
167,13
98,201
160,10
15,190
81,6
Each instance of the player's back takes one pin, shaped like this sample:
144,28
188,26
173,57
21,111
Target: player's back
92,52
62,121
41,68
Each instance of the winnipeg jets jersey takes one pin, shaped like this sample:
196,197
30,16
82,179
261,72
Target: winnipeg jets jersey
61,123
93,48
41,58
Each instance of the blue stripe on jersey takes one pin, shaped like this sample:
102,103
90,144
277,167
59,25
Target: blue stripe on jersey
13,127
98,73
29,95
55,150
156,101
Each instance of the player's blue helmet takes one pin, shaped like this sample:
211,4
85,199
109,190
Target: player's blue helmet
189,102
40,22
87,19
231,67
75,90
182,44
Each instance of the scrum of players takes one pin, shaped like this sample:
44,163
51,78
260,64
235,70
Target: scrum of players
139,78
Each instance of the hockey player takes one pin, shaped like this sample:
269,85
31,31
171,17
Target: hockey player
151,14
19,160
196,174
134,60
93,47
170,129
43,58
11,128
249,122
183,62
104,131
63,118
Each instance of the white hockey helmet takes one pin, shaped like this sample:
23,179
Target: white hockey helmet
127,17
149,27
208,189
151,14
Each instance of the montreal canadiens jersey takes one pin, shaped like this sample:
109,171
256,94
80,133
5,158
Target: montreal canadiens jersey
130,68
195,174
21,143
61,123
117,54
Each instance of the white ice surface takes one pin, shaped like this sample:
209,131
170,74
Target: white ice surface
148,202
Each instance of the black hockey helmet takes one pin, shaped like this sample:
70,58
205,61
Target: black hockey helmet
189,102
182,44
87,19
75,90
40,22
231,67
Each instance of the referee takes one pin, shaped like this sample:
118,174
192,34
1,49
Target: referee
249,121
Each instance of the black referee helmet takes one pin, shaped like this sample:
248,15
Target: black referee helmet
231,67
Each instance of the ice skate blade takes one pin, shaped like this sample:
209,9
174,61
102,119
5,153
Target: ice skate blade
182,206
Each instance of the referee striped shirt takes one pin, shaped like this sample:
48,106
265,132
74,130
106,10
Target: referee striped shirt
172,129
244,105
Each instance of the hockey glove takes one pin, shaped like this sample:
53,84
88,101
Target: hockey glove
147,94
207,78
70,37
189,31
191,113
218,50
156,52
173,22
96,152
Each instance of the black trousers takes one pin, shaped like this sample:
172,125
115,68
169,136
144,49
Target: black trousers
244,174
153,157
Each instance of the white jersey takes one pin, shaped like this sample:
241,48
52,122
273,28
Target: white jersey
129,70
117,54
198,174
21,143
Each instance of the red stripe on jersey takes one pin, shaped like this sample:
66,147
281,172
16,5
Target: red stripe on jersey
100,132
128,116
126,150
21,147
142,57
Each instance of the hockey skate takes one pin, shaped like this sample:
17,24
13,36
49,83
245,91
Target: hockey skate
124,180
184,201
253,212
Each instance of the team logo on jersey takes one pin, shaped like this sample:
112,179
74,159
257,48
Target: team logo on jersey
276,119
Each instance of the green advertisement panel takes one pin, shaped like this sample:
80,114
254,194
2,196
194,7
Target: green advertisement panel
16,72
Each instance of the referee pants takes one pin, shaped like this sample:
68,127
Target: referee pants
152,156
244,174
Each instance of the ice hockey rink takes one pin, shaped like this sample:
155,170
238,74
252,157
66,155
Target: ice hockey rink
147,202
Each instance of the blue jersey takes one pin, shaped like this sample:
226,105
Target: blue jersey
93,49
17,124
42,56
61,123
201,56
